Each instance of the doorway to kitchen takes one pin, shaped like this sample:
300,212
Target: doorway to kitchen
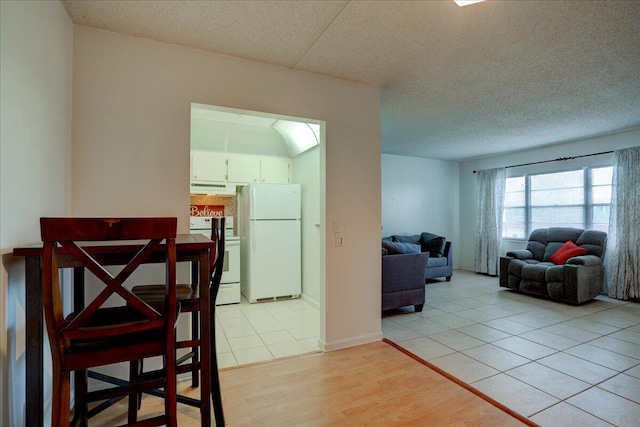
232,150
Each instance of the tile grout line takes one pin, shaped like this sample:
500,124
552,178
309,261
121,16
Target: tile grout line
535,310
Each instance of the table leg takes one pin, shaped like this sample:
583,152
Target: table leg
34,404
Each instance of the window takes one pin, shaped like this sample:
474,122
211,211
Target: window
514,220
600,198
577,198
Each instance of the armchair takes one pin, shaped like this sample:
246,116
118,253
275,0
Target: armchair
540,271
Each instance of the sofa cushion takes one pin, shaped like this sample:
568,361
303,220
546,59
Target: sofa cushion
535,272
554,274
566,251
534,287
562,234
433,244
415,239
594,241
515,268
425,237
516,265
537,243
543,242
436,261
551,249
394,248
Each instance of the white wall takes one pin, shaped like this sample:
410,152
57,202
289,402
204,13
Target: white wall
131,125
35,124
420,195
629,138
306,172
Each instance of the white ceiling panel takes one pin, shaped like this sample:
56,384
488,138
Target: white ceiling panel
457,83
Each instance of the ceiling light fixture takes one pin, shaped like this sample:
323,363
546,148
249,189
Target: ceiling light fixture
466,2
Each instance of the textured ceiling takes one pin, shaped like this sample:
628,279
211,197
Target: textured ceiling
457,83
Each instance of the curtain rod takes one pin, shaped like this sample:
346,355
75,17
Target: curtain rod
559,159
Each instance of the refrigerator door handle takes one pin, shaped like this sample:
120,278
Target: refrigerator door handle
252,238
252,205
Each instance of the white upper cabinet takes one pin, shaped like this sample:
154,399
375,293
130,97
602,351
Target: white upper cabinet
243,168
275,170
218,167
208,166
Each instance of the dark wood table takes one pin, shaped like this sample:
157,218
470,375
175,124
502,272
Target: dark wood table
194,248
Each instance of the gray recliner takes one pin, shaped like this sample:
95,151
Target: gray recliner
531,270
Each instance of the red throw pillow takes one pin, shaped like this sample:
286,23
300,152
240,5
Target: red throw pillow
566,251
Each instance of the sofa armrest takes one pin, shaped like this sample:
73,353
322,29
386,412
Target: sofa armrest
520,254
504,271
403,271
586,260
448,253
580,283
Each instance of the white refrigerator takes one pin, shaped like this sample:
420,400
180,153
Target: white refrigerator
270,242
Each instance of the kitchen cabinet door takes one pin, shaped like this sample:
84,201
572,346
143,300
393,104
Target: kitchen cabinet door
243,169
208,166
275,170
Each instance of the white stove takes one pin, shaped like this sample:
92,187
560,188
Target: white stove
229,292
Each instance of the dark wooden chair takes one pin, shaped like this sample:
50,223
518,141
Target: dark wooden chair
127,327
188,297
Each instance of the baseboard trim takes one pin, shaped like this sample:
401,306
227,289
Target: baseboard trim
350,342
310,301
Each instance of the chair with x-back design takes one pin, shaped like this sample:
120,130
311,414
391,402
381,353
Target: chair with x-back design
123,329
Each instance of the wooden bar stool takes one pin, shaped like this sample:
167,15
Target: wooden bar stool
101,335
188,295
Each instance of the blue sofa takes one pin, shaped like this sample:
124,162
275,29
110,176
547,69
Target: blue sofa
403,281
440,261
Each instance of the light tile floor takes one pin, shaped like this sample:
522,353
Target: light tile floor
248,333
557,364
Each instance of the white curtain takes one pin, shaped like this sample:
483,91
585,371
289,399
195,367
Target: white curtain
623,251
490,202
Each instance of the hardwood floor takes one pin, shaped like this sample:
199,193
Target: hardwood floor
373,385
